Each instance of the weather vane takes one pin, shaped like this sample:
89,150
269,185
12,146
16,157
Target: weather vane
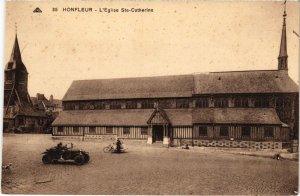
284,8
16,27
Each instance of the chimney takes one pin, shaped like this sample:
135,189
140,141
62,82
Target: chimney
51,98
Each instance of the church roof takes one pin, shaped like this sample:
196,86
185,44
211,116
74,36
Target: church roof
265,116
15,58
121,117
103,117
271,81
128,88
177,117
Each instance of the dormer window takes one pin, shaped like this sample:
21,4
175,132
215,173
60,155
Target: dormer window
10,65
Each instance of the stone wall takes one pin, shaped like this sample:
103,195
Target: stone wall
229,144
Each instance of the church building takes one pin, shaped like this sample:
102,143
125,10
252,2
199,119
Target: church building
250,109
18,111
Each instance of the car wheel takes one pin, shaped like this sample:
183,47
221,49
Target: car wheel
86,158
46,159
79,160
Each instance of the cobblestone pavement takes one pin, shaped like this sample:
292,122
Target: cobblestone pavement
142,170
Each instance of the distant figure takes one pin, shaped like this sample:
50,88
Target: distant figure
59,145
186,146
119,145
276,156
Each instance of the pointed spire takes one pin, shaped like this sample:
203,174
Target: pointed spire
282,58
16,53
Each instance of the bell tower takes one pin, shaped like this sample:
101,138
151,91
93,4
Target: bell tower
283,57
16,80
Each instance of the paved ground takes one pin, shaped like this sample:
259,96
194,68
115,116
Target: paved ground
143,170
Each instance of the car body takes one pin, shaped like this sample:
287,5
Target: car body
63,153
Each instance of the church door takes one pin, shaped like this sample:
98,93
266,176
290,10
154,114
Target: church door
158,133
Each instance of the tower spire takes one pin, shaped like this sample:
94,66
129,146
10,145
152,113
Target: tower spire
16,53
282,58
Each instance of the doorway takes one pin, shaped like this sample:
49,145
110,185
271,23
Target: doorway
158,133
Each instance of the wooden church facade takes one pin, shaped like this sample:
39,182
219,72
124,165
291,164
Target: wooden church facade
19,112
238,108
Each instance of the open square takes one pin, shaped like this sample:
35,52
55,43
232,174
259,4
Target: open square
144,169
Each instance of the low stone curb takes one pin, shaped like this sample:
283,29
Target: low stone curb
261,153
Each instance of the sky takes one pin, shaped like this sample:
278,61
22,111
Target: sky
178,37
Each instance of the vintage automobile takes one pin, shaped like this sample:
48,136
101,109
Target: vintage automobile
64,153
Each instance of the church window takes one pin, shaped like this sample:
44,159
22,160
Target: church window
223,131
147,104
60,129
262,102
241,102
246,131
109,130
202,103
92,130
115,105
167,103
10,65
100,106
182,103
91,106
131,105
221,102
126,130
75,129
203,131
268,132
84,106
144,131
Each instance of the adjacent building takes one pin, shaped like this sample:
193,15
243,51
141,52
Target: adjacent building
251,109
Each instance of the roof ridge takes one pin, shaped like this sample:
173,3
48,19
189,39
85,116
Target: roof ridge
246,71
136,77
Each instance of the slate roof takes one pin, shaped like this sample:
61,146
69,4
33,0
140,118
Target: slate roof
120,117
270,81
177,117
103,117
25,110
29,111
128,88
236,116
